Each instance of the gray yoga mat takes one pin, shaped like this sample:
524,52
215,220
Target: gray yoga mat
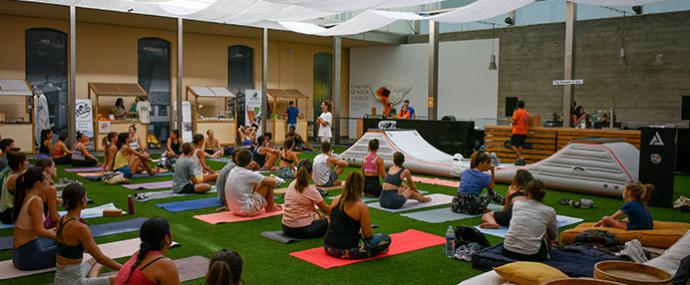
156,195
188,268
436,200
444,215
280,237
366,199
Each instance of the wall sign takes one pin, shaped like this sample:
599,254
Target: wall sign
568,82
84,117
252,109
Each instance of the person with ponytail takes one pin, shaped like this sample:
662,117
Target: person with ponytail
73,238
516,192
300,219
225,268
81,156
149,265
110,151
52,201
46,148
372,169
532,228
469,200
349,234
129,161
395,193
636,195
288,160
61,154
17,164
34,245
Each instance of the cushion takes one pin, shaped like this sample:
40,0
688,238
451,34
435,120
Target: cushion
664,234
486,278
529,273
670,259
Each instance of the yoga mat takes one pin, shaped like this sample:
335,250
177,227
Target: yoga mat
99,230
280,237
220,159
188,268
97,175
409,240
150,185
444,215
228,217
282,191
367,199
84,169
190,205
561,221
411,204
436,181
95,212
156,195
113,250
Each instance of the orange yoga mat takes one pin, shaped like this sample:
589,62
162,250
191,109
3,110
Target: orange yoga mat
436,181
229,217
409,240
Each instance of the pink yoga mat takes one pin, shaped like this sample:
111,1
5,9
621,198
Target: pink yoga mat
409,240
150,185
228,217
90,174
436,181
84,169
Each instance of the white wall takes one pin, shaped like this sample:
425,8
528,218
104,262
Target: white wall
467,89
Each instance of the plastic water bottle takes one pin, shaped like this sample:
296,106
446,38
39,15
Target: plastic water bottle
450,242
130,204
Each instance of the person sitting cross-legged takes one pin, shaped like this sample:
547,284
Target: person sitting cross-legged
248,192
185,180
327,167
300,219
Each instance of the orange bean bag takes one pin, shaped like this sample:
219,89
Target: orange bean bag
664,234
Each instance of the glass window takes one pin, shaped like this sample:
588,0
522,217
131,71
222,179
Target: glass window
154,77
240,76
323,82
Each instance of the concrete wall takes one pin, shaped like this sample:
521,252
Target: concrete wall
640,89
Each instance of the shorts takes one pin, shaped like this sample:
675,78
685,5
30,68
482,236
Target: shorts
518,140
252,206
470,204
324,139
372,186
187,189
294,125
76,274
390,199
286,173
126,171
210,151
503,217
39,253
331,180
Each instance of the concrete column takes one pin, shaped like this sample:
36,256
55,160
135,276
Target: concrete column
433,71
337,96
569,66
264,79
72,90
180,67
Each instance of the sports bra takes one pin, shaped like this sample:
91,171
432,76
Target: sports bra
77,154
121,160
247,142
289,161
24,221
135,143
137,277
43,148
516,194
58,152
370,165
394,179
68,251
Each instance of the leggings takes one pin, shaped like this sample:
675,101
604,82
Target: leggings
77,274
541,255
6,216
470,204
37,254
683,273
86,162
367,248
372,186
390,199
315,230
62,160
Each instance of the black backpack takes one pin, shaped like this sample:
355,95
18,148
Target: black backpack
465,235
601,239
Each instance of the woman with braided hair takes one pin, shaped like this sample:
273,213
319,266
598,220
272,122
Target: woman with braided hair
149,266
73,238
225,268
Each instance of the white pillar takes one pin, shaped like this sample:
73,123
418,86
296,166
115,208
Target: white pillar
264,79
433,71
72,90
180,67
337,96
569,67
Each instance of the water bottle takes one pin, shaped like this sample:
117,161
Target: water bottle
450,242
130,204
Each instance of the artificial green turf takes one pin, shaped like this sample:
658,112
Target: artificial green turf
267,261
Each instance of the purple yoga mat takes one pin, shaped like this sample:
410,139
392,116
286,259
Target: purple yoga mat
84,169
150,185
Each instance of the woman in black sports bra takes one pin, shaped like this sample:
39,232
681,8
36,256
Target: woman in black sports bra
394,193
73,237
516,192
288,160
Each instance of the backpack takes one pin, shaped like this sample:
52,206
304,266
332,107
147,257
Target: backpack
465,235
603,240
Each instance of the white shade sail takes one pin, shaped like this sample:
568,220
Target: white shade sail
479,10
617,2
366,21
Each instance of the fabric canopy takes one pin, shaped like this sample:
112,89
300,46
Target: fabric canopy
479,10
617,2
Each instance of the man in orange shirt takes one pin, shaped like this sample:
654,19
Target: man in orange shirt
520,128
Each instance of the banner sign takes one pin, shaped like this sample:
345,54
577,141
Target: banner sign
84,117
568,82
103,127
252,109
187,121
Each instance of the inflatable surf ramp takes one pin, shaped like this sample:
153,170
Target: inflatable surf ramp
595,168
420,155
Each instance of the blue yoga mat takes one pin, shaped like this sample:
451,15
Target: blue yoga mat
190,204
99,230
135,176
561,221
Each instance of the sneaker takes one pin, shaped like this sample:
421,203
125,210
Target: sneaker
633,250
463,253
279,181
565,202
520,162
682,204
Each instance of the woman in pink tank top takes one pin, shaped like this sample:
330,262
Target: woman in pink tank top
373,169
149,266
